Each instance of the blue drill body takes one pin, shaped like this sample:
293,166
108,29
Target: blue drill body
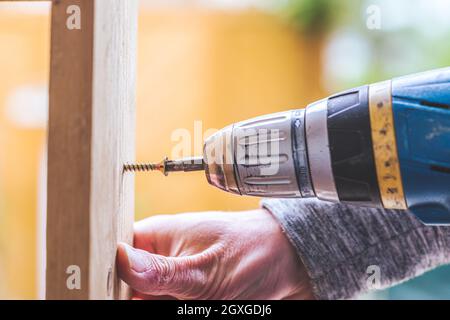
421,106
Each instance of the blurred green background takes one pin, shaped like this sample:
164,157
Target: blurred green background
413,36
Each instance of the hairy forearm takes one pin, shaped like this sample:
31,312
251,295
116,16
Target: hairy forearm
337,243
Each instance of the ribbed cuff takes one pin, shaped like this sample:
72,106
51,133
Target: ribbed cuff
340,245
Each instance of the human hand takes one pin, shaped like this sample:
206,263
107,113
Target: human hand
213,255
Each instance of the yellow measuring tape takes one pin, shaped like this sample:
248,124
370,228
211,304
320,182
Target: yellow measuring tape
385,146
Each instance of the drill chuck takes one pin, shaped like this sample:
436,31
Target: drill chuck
255,157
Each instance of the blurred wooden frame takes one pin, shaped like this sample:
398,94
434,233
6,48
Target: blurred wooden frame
90,202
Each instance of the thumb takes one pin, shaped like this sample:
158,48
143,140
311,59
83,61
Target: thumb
154,274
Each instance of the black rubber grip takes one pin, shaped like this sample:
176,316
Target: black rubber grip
351,151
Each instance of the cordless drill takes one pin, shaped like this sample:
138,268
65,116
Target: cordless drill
382,145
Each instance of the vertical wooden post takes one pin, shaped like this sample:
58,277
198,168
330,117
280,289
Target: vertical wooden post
91,134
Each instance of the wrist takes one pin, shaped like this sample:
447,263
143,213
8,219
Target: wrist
300,283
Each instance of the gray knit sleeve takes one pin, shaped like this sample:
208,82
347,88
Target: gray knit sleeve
340,245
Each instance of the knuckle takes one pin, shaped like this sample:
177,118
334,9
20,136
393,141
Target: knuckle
200,275
158,275
184,278
193,281
167,272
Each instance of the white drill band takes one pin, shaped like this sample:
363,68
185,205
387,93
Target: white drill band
319,151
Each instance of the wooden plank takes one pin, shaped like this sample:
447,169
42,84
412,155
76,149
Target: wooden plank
91,134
